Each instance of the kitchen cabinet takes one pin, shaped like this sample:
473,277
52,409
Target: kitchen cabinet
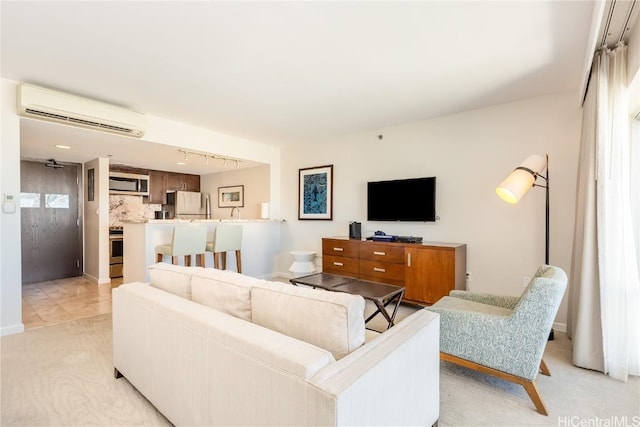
160,182
427,271
157,187
182,182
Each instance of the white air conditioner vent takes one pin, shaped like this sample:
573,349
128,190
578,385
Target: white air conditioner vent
47,104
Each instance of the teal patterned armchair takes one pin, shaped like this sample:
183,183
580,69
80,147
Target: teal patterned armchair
500,335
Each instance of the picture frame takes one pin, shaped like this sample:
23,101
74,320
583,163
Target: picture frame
315,193
231,197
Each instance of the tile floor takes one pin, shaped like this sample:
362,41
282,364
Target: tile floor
57,301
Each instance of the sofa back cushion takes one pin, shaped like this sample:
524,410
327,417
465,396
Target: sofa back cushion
225,291
171,278
333,321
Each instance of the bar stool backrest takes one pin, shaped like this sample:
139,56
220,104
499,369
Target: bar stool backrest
189,239
227,238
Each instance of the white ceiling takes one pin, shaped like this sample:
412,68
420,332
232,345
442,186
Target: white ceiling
291,72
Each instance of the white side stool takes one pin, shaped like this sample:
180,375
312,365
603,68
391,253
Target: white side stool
303,263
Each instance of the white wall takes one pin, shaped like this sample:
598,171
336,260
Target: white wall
10,256
198,139
96,222
256,189
470,154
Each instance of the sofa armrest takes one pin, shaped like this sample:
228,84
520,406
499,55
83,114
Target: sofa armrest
496,300
410,351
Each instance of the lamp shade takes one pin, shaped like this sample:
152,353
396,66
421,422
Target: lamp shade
516,185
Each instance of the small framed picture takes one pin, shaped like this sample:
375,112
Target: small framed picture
231,197
315,193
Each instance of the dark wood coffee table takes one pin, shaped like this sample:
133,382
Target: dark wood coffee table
380,294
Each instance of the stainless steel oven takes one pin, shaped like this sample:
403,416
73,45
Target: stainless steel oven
116,251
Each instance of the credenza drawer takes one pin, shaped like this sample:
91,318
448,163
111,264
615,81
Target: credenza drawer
381,271
385,253
339,265
340,248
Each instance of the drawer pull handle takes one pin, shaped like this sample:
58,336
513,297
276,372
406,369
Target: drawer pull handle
379,270
338,249
339,264
379,253
409,260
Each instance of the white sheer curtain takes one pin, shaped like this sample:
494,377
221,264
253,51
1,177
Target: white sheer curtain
604,312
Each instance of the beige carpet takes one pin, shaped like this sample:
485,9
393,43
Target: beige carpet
62,375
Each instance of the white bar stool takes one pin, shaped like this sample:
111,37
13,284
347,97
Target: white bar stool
303,263
226,238
187,240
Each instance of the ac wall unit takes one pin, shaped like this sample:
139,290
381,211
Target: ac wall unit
46,104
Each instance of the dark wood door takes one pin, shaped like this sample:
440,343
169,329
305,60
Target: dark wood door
50,232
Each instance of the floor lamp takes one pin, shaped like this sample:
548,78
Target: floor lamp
521,180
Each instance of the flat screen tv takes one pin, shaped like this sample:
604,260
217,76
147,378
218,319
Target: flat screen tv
402,200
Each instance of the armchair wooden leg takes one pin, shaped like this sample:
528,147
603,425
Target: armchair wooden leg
534,395
543,368
216,260
159,258
187,260
529,386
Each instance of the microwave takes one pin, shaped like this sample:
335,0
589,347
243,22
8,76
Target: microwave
128,183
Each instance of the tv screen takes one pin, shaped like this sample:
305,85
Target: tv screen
402,200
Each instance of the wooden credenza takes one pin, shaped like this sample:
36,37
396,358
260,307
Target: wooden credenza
428,271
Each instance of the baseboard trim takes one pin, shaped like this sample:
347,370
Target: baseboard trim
94,279
90,277
560,327
11,330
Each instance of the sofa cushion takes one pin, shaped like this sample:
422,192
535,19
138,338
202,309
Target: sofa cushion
225,291
330,320
171,278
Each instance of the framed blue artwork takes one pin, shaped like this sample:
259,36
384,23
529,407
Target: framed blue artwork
315,193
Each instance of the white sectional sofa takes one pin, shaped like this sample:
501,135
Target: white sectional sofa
210,347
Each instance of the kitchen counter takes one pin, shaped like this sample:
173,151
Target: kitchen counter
260,245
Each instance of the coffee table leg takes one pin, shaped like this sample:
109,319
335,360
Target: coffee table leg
382,308
395,309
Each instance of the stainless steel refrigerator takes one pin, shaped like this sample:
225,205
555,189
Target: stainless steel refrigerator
189,205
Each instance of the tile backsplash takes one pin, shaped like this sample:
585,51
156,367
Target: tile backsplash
129,208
